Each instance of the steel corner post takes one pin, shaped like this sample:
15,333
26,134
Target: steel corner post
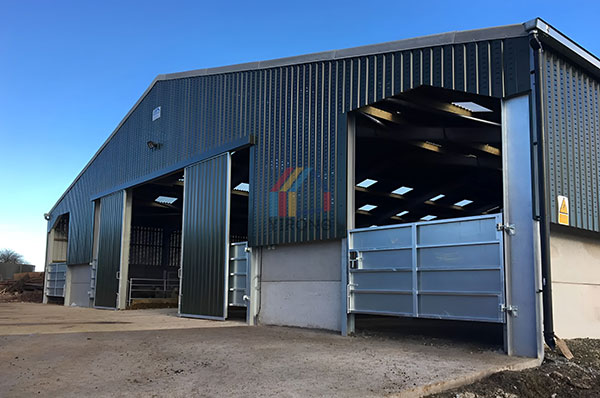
253,286
347,122
523,333
124,257
347,318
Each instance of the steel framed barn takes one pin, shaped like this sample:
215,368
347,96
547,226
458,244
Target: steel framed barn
443,177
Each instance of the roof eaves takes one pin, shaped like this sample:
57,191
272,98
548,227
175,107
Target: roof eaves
563,44
495,33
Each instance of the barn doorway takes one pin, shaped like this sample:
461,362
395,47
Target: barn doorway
426,201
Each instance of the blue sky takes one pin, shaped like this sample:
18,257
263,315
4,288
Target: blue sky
70,70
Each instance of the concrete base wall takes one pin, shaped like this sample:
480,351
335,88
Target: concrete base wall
300,285
575,284
78,285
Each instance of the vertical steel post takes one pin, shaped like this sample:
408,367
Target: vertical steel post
125,240
415,280
523,333
348,319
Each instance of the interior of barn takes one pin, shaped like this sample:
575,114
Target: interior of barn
427,154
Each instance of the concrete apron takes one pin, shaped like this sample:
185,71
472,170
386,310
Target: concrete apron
410,367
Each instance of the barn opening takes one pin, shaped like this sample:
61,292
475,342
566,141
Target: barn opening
56,270
155,243
238,234
428,154
428,195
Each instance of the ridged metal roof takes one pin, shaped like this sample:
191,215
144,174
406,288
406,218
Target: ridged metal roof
548,34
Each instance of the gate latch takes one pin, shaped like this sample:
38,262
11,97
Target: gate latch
508,228
353,258
510,309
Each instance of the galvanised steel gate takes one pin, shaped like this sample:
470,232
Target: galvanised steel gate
238,274
447,269
56,276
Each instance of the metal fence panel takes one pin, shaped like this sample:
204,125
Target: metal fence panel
448,269
238,274
109,250
205,239
56,277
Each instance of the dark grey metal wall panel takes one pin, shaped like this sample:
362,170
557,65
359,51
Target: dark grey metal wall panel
205,238
109,250
572,124
294,112
81,216
299,115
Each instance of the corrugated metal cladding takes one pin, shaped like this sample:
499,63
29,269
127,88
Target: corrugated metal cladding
205,240
109,249
572,122
81,223
297,110
196,117
294,112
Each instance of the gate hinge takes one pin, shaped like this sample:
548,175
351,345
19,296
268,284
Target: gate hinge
508,228
510,309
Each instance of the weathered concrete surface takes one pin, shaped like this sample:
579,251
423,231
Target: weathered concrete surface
76,352
300,285
575,263
30,318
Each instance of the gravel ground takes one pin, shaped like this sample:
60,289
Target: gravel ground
556,378
59,351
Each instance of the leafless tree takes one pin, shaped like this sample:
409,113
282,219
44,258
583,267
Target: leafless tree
11,256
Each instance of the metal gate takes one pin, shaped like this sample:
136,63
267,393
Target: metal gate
93,268
447,269
205,244
56,276
238,274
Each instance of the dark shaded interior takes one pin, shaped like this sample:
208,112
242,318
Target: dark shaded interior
421,140
155,245
482,335
238,227
240,174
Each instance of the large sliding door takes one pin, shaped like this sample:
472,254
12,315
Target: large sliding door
109,250
205,242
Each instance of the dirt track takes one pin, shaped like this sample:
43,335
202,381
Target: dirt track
58,354
557,377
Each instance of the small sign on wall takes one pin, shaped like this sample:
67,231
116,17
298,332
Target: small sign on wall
563,210
156,113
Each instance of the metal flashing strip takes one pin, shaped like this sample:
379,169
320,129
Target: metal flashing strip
435,40
563,41
232,146
210,318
